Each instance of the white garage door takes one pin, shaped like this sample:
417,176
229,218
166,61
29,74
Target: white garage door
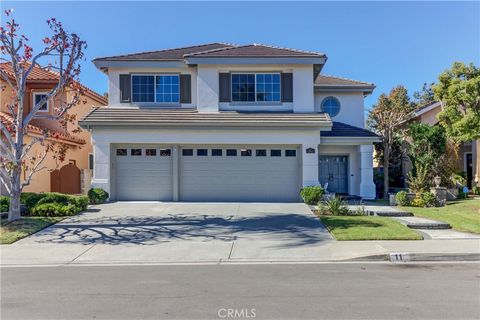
143,173
230,173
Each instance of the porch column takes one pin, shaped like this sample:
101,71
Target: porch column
367,187
310,165
476,162
102,166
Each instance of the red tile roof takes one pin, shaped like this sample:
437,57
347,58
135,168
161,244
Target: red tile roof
39,75
7,119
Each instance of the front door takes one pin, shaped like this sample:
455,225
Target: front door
334,171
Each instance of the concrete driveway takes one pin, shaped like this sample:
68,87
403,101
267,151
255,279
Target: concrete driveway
129,232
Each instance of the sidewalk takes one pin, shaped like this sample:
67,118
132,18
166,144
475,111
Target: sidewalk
214,252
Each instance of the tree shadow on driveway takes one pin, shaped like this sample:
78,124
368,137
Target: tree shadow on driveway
290,230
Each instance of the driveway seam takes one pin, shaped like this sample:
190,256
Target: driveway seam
81,254
231,249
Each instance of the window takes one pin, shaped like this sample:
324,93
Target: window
290,153
90,161
246,152
37,97
275,153
260,87
231,152
121,152
202,152
261,153
187,152
331,105
165,152
156,88
135,152
150,152
217,152
268,87
167,89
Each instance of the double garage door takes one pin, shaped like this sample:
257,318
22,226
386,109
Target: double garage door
207,173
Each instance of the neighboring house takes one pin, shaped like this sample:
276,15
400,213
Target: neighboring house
220,122
469,152
74,174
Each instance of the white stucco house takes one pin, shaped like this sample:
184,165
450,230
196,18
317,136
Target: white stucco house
221,122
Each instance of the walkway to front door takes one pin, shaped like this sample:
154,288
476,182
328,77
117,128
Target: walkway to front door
334,171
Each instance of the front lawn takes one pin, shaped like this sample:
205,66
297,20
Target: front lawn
368,228
16,230
462,215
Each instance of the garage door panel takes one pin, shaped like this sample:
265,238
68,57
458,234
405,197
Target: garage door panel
143,177
239,178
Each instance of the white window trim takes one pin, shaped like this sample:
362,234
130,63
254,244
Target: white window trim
37,93
255,86
339,105
154,75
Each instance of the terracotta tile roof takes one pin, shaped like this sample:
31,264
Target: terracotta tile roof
326,80
191,117
340,129
255,50
166,54
39,75
7,119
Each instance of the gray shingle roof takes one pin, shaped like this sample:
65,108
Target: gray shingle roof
191,117
256,50
325,81
340,129
213,50
166,54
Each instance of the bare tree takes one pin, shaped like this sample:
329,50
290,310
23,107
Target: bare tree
61,54
385,118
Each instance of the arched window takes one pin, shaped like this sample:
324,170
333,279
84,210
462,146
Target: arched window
331,105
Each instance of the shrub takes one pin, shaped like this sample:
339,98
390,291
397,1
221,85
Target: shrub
476,191
51,197
31,199
97,195
81,202
4,204
334,206
312,195
54,209
402,199
429,199
418,202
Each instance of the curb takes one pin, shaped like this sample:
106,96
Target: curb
420,257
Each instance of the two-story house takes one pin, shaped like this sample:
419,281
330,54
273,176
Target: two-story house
220,122
74,174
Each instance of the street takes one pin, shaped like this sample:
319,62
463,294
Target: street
276,291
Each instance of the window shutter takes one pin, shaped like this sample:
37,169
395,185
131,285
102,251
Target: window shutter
224,87
185,88
125,88
287,87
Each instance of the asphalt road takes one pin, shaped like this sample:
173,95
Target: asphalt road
302,291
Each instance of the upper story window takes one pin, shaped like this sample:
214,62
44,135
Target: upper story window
37,97
156,88
256,87
331,105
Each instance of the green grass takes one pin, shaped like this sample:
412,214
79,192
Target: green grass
368,228
16,230
462,215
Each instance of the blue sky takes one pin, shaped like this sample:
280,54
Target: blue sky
387,43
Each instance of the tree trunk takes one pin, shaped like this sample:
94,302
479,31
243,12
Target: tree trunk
386,178
14,213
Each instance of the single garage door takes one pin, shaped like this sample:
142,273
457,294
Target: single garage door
143,173
231,173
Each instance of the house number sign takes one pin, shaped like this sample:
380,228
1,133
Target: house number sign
310,150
